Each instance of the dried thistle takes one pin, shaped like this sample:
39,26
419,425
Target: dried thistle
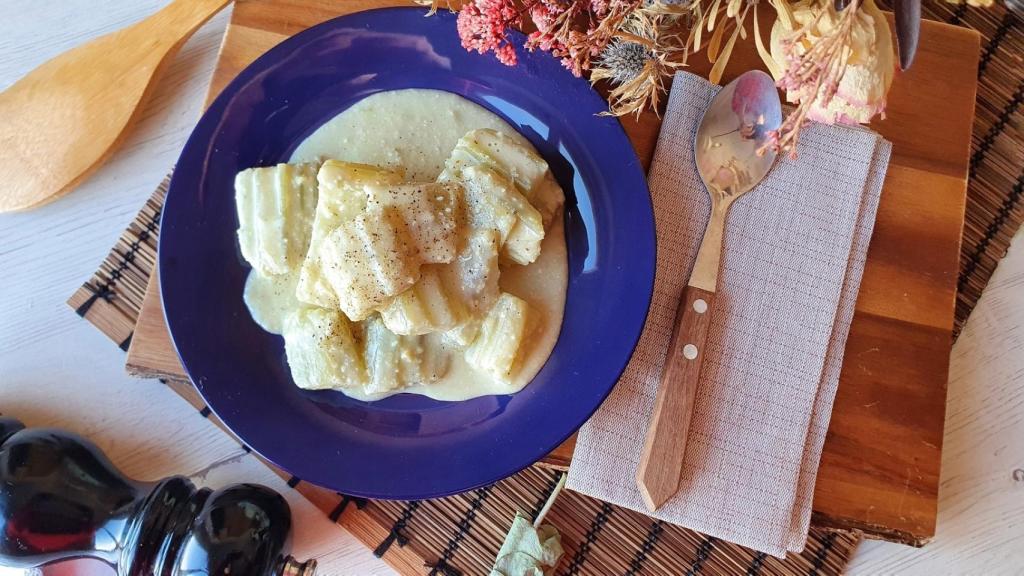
638,61
622,61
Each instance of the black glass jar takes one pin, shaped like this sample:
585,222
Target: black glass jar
61,498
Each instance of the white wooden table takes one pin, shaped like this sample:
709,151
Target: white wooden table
55,369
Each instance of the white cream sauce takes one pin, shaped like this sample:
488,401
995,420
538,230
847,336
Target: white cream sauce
411,129
417,130
271,298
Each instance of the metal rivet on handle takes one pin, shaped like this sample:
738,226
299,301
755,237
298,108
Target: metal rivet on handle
700,306
690,351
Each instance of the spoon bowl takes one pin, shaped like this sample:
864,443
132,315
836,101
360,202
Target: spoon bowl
729,145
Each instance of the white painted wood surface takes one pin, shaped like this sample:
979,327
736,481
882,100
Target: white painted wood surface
57,370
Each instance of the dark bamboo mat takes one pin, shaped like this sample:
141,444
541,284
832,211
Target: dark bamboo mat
460,535
112,298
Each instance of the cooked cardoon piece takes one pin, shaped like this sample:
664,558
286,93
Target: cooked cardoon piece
495,349
521,165
368,260
454,296
395,361
275,213
378,254
474,272
342,197
473,275
429,306
430,211
492,201
322,351
499,152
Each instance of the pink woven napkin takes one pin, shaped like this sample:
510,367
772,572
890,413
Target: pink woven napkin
795,248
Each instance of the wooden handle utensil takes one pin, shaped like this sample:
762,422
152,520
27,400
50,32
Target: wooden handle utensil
730,160
661,461
62,120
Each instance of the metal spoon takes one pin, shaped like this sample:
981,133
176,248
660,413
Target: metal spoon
727,145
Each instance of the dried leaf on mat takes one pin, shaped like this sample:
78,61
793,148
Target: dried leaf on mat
528,551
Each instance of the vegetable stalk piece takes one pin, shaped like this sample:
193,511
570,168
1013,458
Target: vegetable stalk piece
473,276
474,272
429,306
431,213
378,254
530,549
394,361
500,337
275,214
494,202
342,197
368,261
322,351
510,159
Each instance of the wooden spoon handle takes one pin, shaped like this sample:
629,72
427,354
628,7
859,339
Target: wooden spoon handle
661,463
179,19
62,120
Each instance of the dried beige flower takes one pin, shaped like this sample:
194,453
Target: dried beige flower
836,65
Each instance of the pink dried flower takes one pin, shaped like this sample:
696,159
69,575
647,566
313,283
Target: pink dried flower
544,42
574,31
572,66
543,17
483,26
506,54
836,65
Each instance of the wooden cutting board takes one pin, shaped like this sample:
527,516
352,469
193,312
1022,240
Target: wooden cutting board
880,468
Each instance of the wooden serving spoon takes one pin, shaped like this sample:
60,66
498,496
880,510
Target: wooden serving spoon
62,120
726,146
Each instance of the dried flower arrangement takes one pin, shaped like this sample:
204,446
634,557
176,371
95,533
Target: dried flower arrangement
833,58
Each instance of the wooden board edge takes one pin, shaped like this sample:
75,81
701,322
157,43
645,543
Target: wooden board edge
869,530
152,336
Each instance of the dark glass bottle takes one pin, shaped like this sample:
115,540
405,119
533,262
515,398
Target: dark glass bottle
61,498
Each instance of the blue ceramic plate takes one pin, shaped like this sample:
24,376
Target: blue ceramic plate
404,447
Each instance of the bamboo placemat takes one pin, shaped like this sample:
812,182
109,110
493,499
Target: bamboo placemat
461,534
